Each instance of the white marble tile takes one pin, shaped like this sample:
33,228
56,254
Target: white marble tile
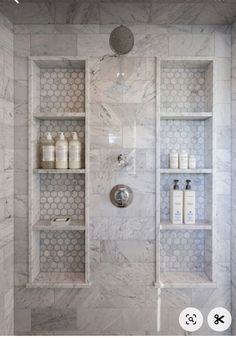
222,45
191,45
53,44
52,319
22,320
124,12
135,251
92,45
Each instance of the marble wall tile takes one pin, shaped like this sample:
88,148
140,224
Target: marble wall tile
22,320
6,177
191,45
123,251
121,298
91,45
222,45
53,44
100,320
129,13
124,273
135,228
151,45
52,319
31,299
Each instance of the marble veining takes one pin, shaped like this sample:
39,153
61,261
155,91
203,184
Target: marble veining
122,298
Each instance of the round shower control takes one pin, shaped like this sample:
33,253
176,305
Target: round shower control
121,196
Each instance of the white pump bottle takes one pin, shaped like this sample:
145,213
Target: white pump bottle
62,152
75,152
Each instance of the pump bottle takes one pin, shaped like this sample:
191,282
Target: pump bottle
62,152
75,152
189,204
176,204
48,152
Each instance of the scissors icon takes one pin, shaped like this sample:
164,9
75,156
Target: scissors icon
218,319
191,319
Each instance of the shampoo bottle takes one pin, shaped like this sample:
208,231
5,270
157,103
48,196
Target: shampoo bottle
48,152
189,204
61,152
176,204
74,152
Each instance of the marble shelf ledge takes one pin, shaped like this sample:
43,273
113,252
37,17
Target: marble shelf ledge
59,171
183,280
73,280
185,115
45,225
199,225
186,171
60,116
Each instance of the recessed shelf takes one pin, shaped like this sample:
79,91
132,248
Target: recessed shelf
185,115
45,225
186,171
166,225
60,116
184,280
54,280
59,171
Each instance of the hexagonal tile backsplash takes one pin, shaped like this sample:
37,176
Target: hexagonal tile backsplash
62,251
62,195
183,90
62,90
182,251
182,135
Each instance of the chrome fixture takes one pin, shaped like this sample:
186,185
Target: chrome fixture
121,196
122,160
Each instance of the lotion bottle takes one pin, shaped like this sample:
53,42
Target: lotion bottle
48,152
183,160
189,204
176,204
61,152
75,152
174,160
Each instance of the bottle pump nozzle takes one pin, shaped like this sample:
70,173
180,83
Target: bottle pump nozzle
188,186
176,186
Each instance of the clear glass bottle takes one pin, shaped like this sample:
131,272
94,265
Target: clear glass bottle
48,152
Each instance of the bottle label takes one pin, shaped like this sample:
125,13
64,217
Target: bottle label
74,152
61,153
48,153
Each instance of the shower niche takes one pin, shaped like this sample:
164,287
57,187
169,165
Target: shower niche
58,254
185,120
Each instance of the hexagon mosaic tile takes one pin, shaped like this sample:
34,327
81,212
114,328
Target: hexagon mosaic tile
183,90
182,251
62,90
198,185
62,251
182,135
66,126
62,195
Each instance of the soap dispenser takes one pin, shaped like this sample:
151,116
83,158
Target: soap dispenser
176,204
75,152
61,152
189,204
48,152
